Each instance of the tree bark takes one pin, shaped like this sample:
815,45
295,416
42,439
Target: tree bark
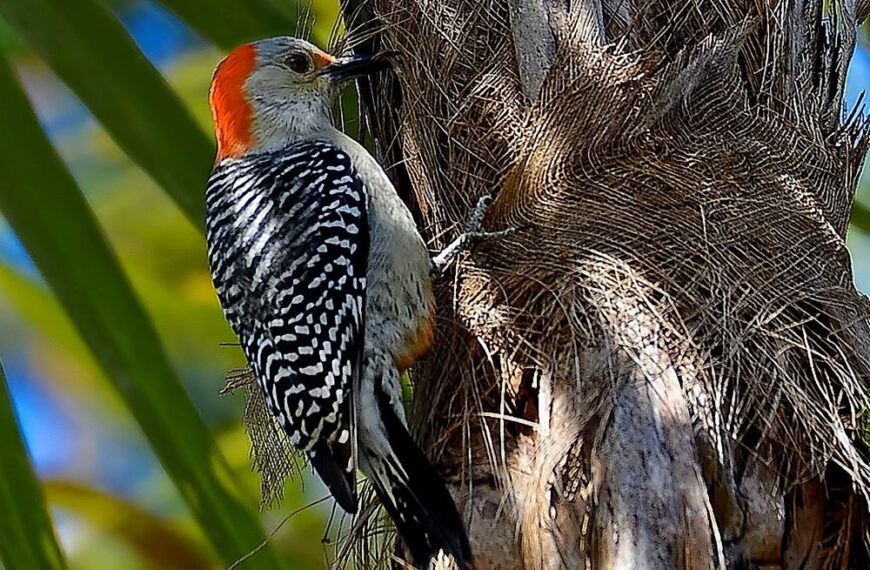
667,366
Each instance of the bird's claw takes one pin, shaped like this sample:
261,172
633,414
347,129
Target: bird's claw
473,234
475,217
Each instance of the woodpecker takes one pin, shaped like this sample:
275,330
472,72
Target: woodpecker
324,277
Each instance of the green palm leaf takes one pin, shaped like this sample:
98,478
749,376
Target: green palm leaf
26,536
94,55
861,217
229,23
45,207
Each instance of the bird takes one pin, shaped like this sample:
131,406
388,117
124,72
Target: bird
324,277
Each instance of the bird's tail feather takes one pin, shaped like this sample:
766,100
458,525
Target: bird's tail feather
416,498
332,463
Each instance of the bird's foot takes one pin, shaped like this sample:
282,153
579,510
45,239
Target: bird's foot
472,235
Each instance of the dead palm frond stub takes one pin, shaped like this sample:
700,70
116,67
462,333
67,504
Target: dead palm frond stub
274,459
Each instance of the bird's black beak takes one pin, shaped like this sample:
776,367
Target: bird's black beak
358,65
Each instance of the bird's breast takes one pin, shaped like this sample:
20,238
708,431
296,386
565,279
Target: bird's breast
399,299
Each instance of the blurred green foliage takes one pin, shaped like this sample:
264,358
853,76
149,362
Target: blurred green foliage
91,52
861,217
228,23
27,540
119,222
62,236
159,543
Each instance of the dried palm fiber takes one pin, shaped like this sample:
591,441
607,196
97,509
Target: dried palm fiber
683,176
272,455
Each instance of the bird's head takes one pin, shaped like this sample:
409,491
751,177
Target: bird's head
266,93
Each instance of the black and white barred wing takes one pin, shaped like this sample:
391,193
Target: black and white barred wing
300,235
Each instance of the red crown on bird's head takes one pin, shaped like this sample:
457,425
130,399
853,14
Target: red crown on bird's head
232,109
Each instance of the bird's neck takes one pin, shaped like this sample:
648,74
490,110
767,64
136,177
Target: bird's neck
275,126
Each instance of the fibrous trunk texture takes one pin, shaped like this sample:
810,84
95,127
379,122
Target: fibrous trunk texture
667,364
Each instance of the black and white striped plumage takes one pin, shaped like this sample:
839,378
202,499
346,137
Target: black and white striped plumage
288,245
325,278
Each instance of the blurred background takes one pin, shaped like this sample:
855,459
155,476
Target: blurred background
113,504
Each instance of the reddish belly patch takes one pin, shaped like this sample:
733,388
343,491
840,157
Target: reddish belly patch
418,344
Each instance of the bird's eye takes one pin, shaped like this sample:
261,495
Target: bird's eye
298,63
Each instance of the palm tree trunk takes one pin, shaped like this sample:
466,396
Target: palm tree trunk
667,365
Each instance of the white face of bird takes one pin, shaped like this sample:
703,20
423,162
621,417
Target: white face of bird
289,93
269,92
